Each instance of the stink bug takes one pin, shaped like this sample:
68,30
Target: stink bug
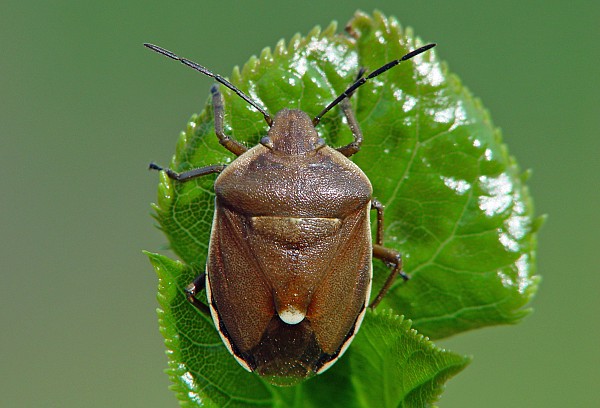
289,269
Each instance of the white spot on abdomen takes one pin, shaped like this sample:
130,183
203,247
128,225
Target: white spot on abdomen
291,315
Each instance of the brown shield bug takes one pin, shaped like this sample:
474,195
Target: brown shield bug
289,268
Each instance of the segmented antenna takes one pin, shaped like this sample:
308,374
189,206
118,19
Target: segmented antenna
364,79
217,77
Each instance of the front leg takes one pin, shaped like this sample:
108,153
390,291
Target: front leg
353,147
346,106
230,144
200,282
191,174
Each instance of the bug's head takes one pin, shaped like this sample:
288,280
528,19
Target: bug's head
292,133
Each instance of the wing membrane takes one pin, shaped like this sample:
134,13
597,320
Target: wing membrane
240,293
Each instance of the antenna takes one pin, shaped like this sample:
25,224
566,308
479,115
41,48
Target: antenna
360,81
217,77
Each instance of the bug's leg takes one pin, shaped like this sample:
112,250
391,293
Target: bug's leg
376,205
353,147
346,106
230,144
191,174
192,289
392,258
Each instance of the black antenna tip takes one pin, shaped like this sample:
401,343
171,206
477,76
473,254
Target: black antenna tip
151,46
428,46
418,51
162,51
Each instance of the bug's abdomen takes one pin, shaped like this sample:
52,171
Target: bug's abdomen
309,281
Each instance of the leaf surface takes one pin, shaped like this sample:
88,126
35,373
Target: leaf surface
456,208
389,364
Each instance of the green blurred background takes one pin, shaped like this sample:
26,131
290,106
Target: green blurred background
84,108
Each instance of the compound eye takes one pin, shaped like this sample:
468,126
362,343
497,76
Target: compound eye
266,142
320,143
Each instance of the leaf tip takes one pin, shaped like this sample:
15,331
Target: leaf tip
539,222
152,256
526,175
236,75
266,56
280,48
314,33
249,66
380,19
294,43
330,30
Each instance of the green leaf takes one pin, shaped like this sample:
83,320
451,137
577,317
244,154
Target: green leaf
456,208
398,366
456,205
202,370
389,365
